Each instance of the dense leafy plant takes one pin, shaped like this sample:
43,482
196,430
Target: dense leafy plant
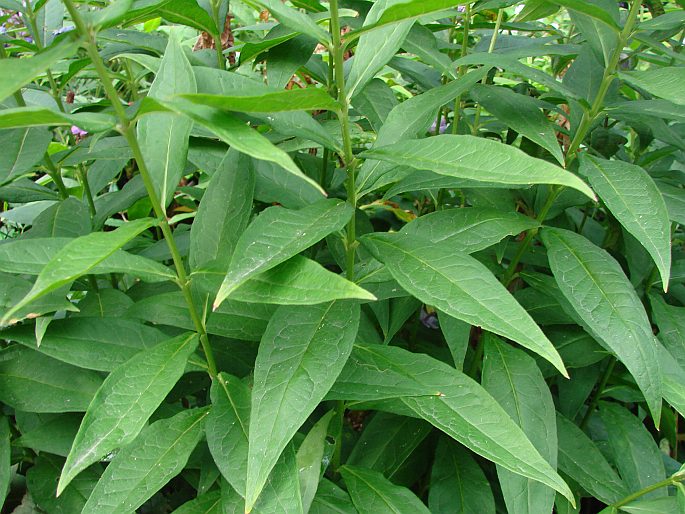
345,256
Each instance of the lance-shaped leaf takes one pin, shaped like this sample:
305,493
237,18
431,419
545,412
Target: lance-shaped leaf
227,426
224,212
234,132
301,354
309,457
23,148
142,468
590,9
375,49
295,20
77,258
125,401
632,196
522,113
43,117
603,297
372,492
307,99
458,484
208,503
515,381
469,230
671,323
164,136
459,285
278,234
449,400
635,452
33,382
331,499
581,460
16,73
477,158
92,343
5,454
664,82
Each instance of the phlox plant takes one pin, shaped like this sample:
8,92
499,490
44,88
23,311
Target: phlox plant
344,256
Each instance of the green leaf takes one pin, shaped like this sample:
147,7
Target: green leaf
77,258
632,196
32,382
208,503
309,456
307,99
457,335
458,485
227,426
19,72
330,499
163,137
68,218
477,158
125,401
189,13
662,82
449,400
54,436
514,380
5,454
41,480
282,489
590,9
301,354
100,344
521,113
278,234
286,59
581,460
671,323
376,48
22,150
223,214
636,455
387,444
468,230
295,20
372,492
298,281
459,285
412,9
30,256
658,506
238,135
140,469
601,295
42,117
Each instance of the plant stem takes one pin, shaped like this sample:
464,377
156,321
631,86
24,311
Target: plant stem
598,392
56,176
586,122
128,131
350,164
491,48
462,69
672,480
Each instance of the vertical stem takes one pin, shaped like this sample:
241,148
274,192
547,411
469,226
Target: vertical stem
598,392
462,69
583,128
128,131
491,48
349,163
56,176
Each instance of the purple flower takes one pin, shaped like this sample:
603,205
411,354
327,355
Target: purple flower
429,319
443,126
78,132
63,30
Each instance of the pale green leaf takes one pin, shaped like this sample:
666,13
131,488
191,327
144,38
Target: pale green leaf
634,199
163,137
140,469
309,456
307,99
77,258
295,20
43,117
666,83
596,287
460,286
278,234
372,492
477,158
449,400
125,401
514,380
32,382
301,354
